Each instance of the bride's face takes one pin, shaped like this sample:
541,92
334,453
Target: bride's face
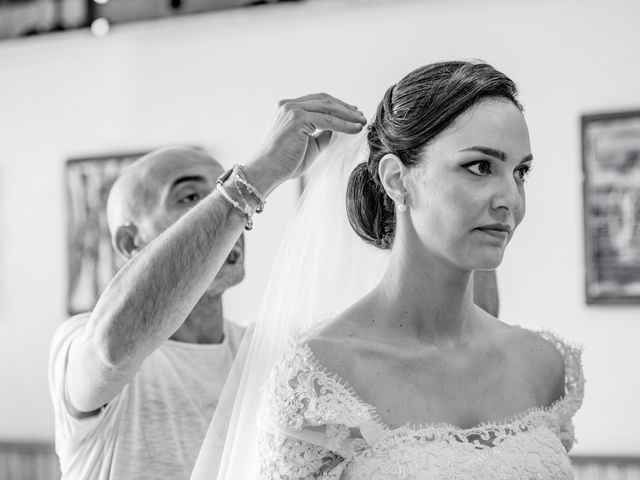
468,195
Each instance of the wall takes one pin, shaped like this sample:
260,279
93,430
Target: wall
214,80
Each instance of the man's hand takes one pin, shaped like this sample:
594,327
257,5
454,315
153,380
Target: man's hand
301,128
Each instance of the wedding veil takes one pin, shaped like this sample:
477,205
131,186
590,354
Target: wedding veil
321,268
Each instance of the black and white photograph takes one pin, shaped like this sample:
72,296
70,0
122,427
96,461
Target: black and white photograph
612,206
319,239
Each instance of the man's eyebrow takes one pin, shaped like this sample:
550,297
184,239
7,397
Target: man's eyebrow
187,178
492,152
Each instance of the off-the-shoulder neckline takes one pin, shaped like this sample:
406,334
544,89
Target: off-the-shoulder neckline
522,419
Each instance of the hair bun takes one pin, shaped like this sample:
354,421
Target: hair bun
369,209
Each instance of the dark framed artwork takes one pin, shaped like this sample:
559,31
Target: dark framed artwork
92,262
611,164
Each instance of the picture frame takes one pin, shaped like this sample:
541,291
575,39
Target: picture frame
611,193
92,261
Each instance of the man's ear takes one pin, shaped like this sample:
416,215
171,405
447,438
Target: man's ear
124,241
391,171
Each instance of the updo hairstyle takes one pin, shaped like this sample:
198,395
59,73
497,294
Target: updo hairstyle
411,114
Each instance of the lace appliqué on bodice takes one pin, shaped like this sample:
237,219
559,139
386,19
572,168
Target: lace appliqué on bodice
313,425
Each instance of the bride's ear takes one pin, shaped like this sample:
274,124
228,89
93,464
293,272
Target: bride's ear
391,172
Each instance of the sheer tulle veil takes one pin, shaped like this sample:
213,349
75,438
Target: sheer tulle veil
321,268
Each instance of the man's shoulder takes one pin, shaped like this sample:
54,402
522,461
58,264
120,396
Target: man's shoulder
61,342
69,328
74,322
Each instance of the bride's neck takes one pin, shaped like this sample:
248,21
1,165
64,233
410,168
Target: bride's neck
426,296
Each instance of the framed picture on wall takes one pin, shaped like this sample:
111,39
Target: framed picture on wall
92,262
611,164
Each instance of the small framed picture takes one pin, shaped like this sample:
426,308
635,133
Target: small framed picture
611,164
92,261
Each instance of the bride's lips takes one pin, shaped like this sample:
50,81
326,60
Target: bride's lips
496,230
501,234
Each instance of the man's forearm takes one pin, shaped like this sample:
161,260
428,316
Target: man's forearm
155,291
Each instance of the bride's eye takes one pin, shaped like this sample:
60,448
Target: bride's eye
523,172
479,167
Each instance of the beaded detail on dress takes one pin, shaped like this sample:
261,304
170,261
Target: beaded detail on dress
312,424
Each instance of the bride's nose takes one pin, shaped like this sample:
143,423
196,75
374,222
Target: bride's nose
508,196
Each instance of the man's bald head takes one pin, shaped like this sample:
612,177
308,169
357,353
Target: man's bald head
154,191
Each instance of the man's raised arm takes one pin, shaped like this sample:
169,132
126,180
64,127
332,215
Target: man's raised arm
152,295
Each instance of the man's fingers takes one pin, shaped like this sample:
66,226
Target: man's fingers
331,107
320,111
318,97
325,121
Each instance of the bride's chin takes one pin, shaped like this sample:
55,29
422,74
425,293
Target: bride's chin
488,262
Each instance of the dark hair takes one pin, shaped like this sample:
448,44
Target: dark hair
411,114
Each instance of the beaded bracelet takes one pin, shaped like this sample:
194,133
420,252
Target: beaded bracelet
238,176
246,211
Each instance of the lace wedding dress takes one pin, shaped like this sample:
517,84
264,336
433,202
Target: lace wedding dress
313,425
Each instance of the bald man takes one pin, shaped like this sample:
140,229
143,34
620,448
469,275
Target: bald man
134,390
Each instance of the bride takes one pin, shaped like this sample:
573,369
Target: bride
372,361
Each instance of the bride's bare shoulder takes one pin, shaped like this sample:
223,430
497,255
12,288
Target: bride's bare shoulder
528,345
540,359
336,343
530,353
